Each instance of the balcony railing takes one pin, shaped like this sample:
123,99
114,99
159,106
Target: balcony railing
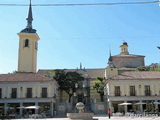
117,93
147,93
44,95
13,95
133,93
28,95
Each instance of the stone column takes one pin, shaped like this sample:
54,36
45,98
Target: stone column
51,108
141,107
21,110
110,104
5,108
125,107
36,110
156,105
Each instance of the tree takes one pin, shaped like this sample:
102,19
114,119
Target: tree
99,86
1,110
143,68
67,81
154,67
147,107
151,67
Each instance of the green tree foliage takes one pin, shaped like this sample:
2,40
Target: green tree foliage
1,110
148,107
143,68
154,67
151,67
99,86
67,81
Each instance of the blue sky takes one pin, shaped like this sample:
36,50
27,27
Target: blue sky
70,35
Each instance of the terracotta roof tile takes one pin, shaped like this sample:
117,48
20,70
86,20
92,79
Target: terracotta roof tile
23,77
138,75
92,73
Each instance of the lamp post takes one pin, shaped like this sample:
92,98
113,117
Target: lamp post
75,93
84,93
76,85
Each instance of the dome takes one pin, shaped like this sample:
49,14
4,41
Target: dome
125,43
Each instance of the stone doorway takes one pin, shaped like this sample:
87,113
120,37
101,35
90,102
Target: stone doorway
80,98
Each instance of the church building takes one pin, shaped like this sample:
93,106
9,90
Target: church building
126,60
32,87
27,88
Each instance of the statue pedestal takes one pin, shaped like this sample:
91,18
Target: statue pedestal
80,116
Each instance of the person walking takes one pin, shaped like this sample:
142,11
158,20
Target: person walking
109,113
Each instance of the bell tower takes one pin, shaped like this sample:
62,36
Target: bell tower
124,49
28,46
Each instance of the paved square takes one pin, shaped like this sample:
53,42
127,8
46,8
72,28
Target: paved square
104,118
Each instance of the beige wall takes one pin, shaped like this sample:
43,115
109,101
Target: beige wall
110,72
62,96
21,93
27,58
139,86
93,93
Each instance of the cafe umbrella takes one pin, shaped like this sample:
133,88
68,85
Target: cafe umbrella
33,107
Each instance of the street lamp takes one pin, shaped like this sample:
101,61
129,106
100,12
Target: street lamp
83,85
76,85
74,94
84,92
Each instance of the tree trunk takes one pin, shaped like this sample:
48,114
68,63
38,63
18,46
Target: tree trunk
70,95
101,96
61,95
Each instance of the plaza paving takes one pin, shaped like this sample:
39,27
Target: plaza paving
104,118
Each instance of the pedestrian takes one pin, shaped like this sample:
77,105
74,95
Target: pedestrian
109,113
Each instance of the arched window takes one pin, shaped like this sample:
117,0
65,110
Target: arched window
26,44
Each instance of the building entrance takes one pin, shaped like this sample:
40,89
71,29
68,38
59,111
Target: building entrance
80,98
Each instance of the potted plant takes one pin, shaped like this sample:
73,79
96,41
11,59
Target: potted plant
146,111
156,110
